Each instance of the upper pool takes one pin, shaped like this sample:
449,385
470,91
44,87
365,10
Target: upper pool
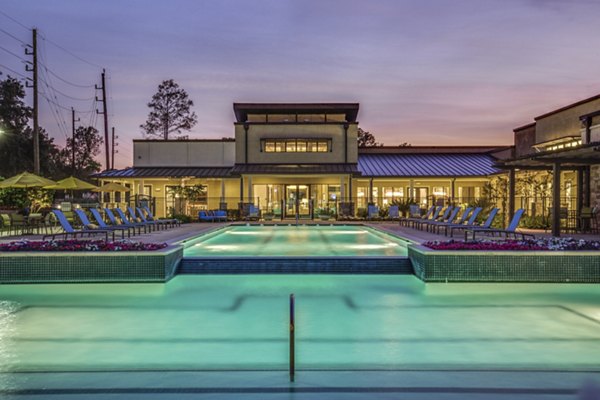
296,241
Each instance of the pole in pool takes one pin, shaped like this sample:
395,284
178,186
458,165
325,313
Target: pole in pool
292,338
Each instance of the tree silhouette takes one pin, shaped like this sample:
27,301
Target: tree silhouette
170,111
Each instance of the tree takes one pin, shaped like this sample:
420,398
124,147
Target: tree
366,139
87,147
170,111
14,116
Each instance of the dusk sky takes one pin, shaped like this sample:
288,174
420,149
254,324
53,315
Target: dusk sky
424,72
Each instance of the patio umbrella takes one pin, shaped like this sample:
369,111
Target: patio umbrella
112,187
25,180
71,183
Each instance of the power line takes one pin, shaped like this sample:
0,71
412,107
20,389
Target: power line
69,96
14,54
64,80
14,20
14,72
14,37
70,53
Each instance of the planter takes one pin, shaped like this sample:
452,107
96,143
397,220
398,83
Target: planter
504,266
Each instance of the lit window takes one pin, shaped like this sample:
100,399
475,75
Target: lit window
295,145
322,147
290,146
301,146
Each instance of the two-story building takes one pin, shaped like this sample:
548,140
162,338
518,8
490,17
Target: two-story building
300,158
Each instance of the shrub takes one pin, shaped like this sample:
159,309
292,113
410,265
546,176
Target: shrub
80,245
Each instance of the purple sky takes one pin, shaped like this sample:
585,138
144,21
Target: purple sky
425,72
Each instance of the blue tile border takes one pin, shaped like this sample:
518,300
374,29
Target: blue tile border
505,266
80,267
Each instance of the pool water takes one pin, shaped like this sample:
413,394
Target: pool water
347,322
296,241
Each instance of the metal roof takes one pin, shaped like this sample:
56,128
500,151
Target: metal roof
427,165
242,110
166,172
286,169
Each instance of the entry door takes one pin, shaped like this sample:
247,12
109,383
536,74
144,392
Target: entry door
297,196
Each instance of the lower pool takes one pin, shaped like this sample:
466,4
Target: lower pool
344,322
295,241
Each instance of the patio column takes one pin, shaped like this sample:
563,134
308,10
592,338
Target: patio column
222,190
342,189
452,190
556,199
371,191
241,189
511,193
250,194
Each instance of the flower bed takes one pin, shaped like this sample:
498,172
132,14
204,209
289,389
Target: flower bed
552,244
79,245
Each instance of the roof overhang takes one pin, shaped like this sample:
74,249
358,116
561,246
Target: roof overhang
587,154
241,110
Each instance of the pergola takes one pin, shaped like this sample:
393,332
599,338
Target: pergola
578,158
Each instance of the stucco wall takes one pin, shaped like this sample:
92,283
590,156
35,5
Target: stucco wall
564,123
183,153
335,132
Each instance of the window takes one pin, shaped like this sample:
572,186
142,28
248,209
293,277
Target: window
257,118
296,145
282,117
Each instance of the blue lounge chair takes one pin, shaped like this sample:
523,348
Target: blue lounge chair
88,225
461,220
415,214
431,225
487,224
393,212
511,230
372,212
125,221
69,231
470,222
158,223
150,217
435,217
102,224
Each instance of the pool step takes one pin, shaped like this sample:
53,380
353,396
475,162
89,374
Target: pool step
296,265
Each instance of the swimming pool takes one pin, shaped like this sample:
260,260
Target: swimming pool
296,241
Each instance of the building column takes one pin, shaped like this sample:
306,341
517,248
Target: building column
250,191
371,191
241,189
556,199
511,193
411,189
452,190
222,190
342,189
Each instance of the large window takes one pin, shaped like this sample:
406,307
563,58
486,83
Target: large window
296,145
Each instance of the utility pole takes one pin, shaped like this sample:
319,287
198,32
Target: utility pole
106,143
73,120
34,69
112,156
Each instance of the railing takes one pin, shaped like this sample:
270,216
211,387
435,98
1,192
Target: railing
292,337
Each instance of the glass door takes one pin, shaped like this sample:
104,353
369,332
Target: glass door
297,198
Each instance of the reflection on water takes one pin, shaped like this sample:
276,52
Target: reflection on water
8,356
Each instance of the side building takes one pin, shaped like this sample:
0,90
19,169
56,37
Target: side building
300,159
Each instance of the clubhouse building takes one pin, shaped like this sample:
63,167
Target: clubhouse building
303,159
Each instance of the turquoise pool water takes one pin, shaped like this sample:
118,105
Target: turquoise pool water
344,322
296,241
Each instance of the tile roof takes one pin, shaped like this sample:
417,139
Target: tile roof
427,165
165,172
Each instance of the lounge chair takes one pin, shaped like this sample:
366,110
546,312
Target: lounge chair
429,225
511,230
103,225
253,213
140,214
428,215
487,224
434,217
470,222
88,225
393,212
150,217
125,221
69,231
372,212
204,216
414,212
461,221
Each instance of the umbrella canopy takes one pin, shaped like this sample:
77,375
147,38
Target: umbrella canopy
71,183
112,187
25,180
